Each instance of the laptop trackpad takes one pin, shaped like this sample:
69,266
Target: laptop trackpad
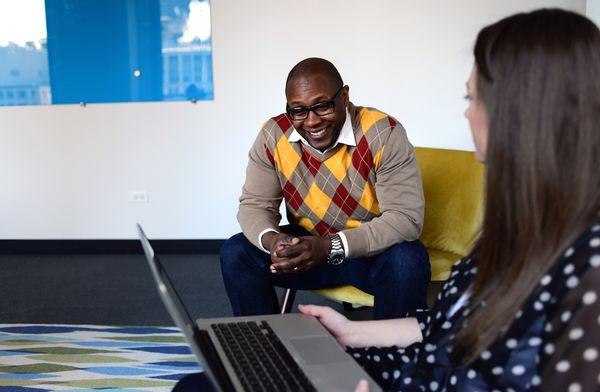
318,350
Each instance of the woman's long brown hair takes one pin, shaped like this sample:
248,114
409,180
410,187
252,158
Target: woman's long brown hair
539,77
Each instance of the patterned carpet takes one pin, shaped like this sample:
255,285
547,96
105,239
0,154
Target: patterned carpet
84,357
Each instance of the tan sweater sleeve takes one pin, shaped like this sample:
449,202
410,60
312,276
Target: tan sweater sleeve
261,193
399,190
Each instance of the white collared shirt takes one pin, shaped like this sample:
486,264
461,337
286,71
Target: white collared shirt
346,136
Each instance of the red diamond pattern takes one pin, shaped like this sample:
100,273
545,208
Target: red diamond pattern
312,163
292,196
343,200
284,122
362,159
269,155
323,229
392,122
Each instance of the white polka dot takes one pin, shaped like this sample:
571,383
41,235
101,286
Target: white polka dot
536,380
548,327
390,356
538,306
466,312
486,355
376,358
422,326
438,315
575,333
453,290
385,375
563,366
400,350
595,228
589,297
471,374
447,325
497,371
511,343
473,270
574,387
407,380
430,347
569,268
595,261
356,355
535,341
396,374
433,385
405,359
430,358
453,380
572,282
595,242
518,370
519,314
565,316
549,349
545,296
591,354
569,252
546,280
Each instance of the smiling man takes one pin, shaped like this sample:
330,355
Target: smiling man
353,196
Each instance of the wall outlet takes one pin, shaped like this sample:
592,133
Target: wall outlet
138,196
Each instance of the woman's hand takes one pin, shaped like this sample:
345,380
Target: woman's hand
338,325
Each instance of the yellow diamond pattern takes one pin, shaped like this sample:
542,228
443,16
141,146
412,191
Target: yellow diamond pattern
368,118
286,157
339,162
306,223
377,159
369,200
317,201
352,224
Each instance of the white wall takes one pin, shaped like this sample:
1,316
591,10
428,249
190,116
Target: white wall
593,10
67,171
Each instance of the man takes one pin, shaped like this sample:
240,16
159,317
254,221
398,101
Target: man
353,194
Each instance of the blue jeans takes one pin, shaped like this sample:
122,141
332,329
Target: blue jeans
397,277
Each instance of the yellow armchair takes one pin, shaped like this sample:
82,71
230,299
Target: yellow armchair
453,188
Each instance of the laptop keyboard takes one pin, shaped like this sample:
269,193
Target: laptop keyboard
259,359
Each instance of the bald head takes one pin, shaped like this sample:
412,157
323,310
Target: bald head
315,66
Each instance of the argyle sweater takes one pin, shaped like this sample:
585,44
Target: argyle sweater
372,191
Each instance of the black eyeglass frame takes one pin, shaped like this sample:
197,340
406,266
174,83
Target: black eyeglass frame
314,108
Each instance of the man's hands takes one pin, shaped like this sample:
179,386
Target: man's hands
295,254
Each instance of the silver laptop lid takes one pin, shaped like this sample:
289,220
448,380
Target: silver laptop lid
174,305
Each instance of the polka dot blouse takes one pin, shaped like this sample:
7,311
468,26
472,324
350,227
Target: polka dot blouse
553,343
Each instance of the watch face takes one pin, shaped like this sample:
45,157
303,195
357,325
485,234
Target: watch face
336,259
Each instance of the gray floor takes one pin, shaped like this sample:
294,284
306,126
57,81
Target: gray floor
113,289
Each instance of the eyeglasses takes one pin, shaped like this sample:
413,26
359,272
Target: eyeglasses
320,109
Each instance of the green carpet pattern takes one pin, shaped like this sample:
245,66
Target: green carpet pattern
83,357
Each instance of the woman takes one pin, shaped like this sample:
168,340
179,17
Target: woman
523,310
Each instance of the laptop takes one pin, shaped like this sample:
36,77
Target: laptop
271,352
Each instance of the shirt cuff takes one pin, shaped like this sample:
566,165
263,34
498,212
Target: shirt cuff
344,242
260,236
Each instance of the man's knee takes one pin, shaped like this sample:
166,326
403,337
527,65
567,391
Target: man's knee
406,259
232,250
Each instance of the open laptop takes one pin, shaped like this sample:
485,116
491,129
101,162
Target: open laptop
272,352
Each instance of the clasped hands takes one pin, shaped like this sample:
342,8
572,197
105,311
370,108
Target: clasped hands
291,254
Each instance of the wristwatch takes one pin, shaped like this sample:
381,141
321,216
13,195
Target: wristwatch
336,254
